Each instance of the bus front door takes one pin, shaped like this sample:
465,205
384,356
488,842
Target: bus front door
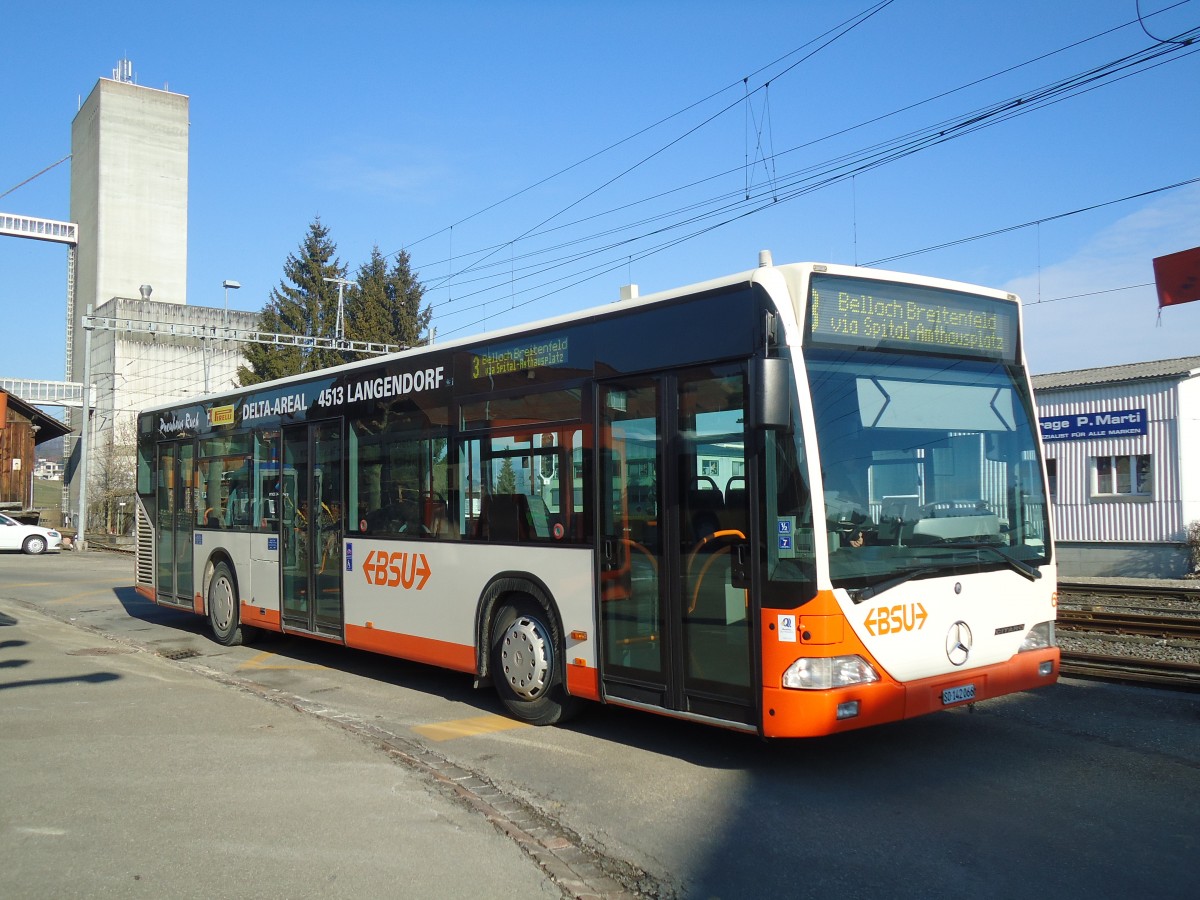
675,611
311,528
176,517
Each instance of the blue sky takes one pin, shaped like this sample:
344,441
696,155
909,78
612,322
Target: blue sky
405,125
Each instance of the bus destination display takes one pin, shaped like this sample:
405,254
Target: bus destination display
872,314
525,357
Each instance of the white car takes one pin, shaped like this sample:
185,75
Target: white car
29,538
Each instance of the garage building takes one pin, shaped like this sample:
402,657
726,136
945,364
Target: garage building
1123,459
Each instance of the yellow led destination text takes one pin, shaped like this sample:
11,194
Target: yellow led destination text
519,359
930,324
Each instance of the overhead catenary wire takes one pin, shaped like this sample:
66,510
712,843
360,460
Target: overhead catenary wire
1032,222
872,157
792,150
845,167
1142,22
870,11
695,128
1128,287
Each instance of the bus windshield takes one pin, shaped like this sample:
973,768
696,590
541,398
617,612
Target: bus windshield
928,465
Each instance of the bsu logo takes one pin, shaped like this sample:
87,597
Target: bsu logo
400,569
894,619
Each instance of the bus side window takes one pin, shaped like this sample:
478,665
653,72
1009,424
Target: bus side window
397,481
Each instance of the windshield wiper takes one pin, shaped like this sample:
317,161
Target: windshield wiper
871,590
1017,565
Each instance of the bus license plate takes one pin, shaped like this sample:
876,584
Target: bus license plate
958,694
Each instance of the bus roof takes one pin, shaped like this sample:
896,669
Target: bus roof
792,274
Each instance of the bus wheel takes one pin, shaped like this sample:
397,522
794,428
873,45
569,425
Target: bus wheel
527,667
223,609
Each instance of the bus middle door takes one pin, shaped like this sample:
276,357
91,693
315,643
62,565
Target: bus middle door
311,502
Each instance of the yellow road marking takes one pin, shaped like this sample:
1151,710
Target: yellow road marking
260,662
448,731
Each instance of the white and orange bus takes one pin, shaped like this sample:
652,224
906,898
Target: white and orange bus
793,501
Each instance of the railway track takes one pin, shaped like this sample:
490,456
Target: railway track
1147,629
1130,596
1163,627
1156,672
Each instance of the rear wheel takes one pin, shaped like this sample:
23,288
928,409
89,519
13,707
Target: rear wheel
527,664
34,544
223,609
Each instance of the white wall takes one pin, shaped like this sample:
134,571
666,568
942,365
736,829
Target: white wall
1189,449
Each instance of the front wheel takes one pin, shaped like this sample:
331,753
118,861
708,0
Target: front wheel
223,609
34,544
527,665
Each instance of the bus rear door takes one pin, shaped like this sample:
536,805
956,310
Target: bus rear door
176,518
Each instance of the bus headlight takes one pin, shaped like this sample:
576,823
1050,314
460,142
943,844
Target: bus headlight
1039,637
822,673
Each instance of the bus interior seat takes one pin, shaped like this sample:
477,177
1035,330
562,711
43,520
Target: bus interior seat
539,517
736,512
705,506
505,517
435,514
897,513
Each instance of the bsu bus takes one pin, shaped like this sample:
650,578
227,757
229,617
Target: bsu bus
793,501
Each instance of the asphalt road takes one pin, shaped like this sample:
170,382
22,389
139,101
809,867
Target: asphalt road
1078,790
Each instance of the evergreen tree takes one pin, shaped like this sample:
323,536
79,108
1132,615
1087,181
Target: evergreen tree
385,306
506,479
303,304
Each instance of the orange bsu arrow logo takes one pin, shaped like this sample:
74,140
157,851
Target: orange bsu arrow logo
894,619
399,569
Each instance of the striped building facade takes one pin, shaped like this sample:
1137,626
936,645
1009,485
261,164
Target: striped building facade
1123,458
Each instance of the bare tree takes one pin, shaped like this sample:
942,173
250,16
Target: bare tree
113,479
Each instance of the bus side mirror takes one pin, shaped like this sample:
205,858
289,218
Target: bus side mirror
773,393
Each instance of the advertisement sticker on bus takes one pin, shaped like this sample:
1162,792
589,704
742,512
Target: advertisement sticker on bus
221,415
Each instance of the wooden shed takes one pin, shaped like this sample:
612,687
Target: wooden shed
22,428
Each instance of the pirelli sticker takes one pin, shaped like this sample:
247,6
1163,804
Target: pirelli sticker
221,415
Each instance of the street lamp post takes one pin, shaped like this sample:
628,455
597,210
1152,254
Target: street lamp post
227,284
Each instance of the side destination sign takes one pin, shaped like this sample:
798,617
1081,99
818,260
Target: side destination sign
869,314
1081,426
523,357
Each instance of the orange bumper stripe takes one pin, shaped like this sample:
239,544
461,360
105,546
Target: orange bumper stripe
460,657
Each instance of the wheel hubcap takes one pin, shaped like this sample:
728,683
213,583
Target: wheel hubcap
525,657
221,602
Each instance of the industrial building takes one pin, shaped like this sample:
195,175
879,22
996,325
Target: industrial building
129,199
